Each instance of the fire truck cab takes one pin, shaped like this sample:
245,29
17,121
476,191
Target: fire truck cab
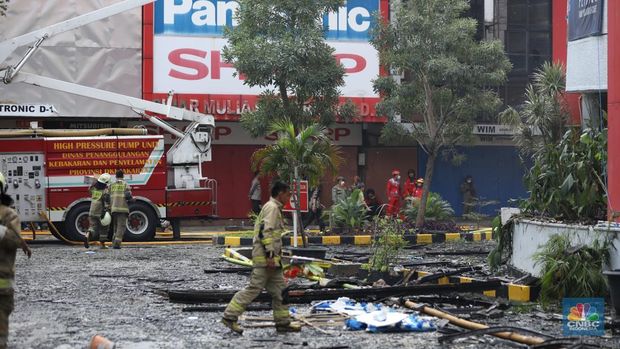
49,172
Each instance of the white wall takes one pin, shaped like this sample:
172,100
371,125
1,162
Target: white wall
587,61
106,54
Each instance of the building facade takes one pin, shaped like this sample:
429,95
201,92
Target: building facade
147,52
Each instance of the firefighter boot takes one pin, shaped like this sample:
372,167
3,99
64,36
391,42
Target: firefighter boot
233,325
87,240
292,327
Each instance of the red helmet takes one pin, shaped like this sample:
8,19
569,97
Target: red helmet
395,172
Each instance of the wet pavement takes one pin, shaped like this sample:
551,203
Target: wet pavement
65,295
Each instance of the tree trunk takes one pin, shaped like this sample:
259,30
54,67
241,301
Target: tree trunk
300,223
430,167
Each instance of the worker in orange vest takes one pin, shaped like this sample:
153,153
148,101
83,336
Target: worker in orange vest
393,194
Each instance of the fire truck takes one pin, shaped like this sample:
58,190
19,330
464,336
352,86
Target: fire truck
49,171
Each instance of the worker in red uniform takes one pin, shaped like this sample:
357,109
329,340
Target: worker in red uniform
393,194
409,184
419,188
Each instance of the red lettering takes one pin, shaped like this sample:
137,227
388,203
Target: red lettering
341,132
360,62
222,131
175,57
217,64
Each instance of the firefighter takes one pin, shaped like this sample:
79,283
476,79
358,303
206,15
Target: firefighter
266,266
409,184
120,196
419,188
10,241
100,198
393,194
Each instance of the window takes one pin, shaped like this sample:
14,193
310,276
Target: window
527,40
528,35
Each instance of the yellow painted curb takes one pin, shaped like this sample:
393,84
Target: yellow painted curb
232,241
424,239
490,293
518,293
331,240
465,280
443,281
477,236
453,236
362,240
300,241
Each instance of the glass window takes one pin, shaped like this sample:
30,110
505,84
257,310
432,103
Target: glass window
540,13
517,12
516,41
540,43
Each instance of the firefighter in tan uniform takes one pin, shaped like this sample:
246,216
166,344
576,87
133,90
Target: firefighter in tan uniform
10,241
120,196
99,199
267,268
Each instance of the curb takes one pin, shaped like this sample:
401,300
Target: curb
512,292
364,240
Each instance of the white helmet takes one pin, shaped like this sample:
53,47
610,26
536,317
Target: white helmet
105,221
104,178
3,184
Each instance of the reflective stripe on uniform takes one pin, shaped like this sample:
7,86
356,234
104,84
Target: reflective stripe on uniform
6,283
236,306
266,241
259,259
97,194
281,313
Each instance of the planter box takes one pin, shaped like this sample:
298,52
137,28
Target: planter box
529,235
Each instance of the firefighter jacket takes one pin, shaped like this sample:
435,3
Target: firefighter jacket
393,188
98,200
10,241
120,195
409,189
271,240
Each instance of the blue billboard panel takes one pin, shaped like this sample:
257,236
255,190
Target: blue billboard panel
208,18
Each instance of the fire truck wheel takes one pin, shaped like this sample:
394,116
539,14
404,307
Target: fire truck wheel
76,222
141,223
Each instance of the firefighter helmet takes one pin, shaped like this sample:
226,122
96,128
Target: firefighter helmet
104,178
105,221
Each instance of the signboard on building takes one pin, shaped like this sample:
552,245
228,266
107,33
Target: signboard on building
27,110
183,52
585,18
234,134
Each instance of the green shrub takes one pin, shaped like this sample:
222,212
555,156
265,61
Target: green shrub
437,209
565,182
571,271
351,212
387,243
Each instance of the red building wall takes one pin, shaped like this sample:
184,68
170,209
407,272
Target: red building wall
559,48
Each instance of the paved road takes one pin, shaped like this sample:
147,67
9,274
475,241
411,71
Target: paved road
66,295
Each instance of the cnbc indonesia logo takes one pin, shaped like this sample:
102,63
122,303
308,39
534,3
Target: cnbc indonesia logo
584,316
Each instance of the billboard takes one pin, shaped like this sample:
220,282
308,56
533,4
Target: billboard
183,40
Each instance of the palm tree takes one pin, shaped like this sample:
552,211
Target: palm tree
307,153
542,119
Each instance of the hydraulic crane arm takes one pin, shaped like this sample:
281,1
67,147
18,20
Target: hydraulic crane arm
192,146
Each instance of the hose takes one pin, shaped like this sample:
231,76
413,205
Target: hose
74,133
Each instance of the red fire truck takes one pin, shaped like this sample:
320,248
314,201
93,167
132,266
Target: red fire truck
50,171
52,174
